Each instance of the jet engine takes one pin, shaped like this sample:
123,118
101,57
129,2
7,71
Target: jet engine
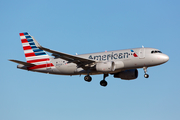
105,66
127,74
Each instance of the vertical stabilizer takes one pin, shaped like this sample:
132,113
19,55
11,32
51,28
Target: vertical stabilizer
33,54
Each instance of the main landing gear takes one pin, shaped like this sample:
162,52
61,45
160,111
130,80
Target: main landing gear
103,82
88,78
145,70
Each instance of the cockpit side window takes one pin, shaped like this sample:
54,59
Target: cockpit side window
155,51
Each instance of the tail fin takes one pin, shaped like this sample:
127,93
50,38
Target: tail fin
32,53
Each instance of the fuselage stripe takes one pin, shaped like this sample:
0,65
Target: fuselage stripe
41,66
37,57
38,60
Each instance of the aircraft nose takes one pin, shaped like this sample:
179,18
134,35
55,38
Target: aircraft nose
164,58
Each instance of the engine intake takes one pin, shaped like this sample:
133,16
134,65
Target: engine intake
127,74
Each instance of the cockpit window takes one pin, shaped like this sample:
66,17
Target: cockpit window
156,51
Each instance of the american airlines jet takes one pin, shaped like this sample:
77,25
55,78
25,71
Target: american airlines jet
120,63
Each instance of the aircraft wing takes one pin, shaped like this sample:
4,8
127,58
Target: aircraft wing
23,63
68,57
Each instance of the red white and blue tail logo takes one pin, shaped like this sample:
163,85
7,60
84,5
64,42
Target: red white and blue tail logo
33,54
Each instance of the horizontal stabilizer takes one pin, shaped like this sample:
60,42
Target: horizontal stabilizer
23,63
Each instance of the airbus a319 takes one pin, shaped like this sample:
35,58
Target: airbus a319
119,63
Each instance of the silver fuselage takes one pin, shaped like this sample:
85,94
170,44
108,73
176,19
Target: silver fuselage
124,58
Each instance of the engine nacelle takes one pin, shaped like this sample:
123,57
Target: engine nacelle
105,66
127,74
119,65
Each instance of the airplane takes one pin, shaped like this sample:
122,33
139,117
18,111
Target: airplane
119,63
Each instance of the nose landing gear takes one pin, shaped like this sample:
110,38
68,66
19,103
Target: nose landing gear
146,75
104,82
145,70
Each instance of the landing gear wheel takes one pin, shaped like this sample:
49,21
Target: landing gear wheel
145,71
146,75
103,83
88,78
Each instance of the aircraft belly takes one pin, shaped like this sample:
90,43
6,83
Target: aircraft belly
134,63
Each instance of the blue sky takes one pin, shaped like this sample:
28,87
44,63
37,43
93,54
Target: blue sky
84,26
